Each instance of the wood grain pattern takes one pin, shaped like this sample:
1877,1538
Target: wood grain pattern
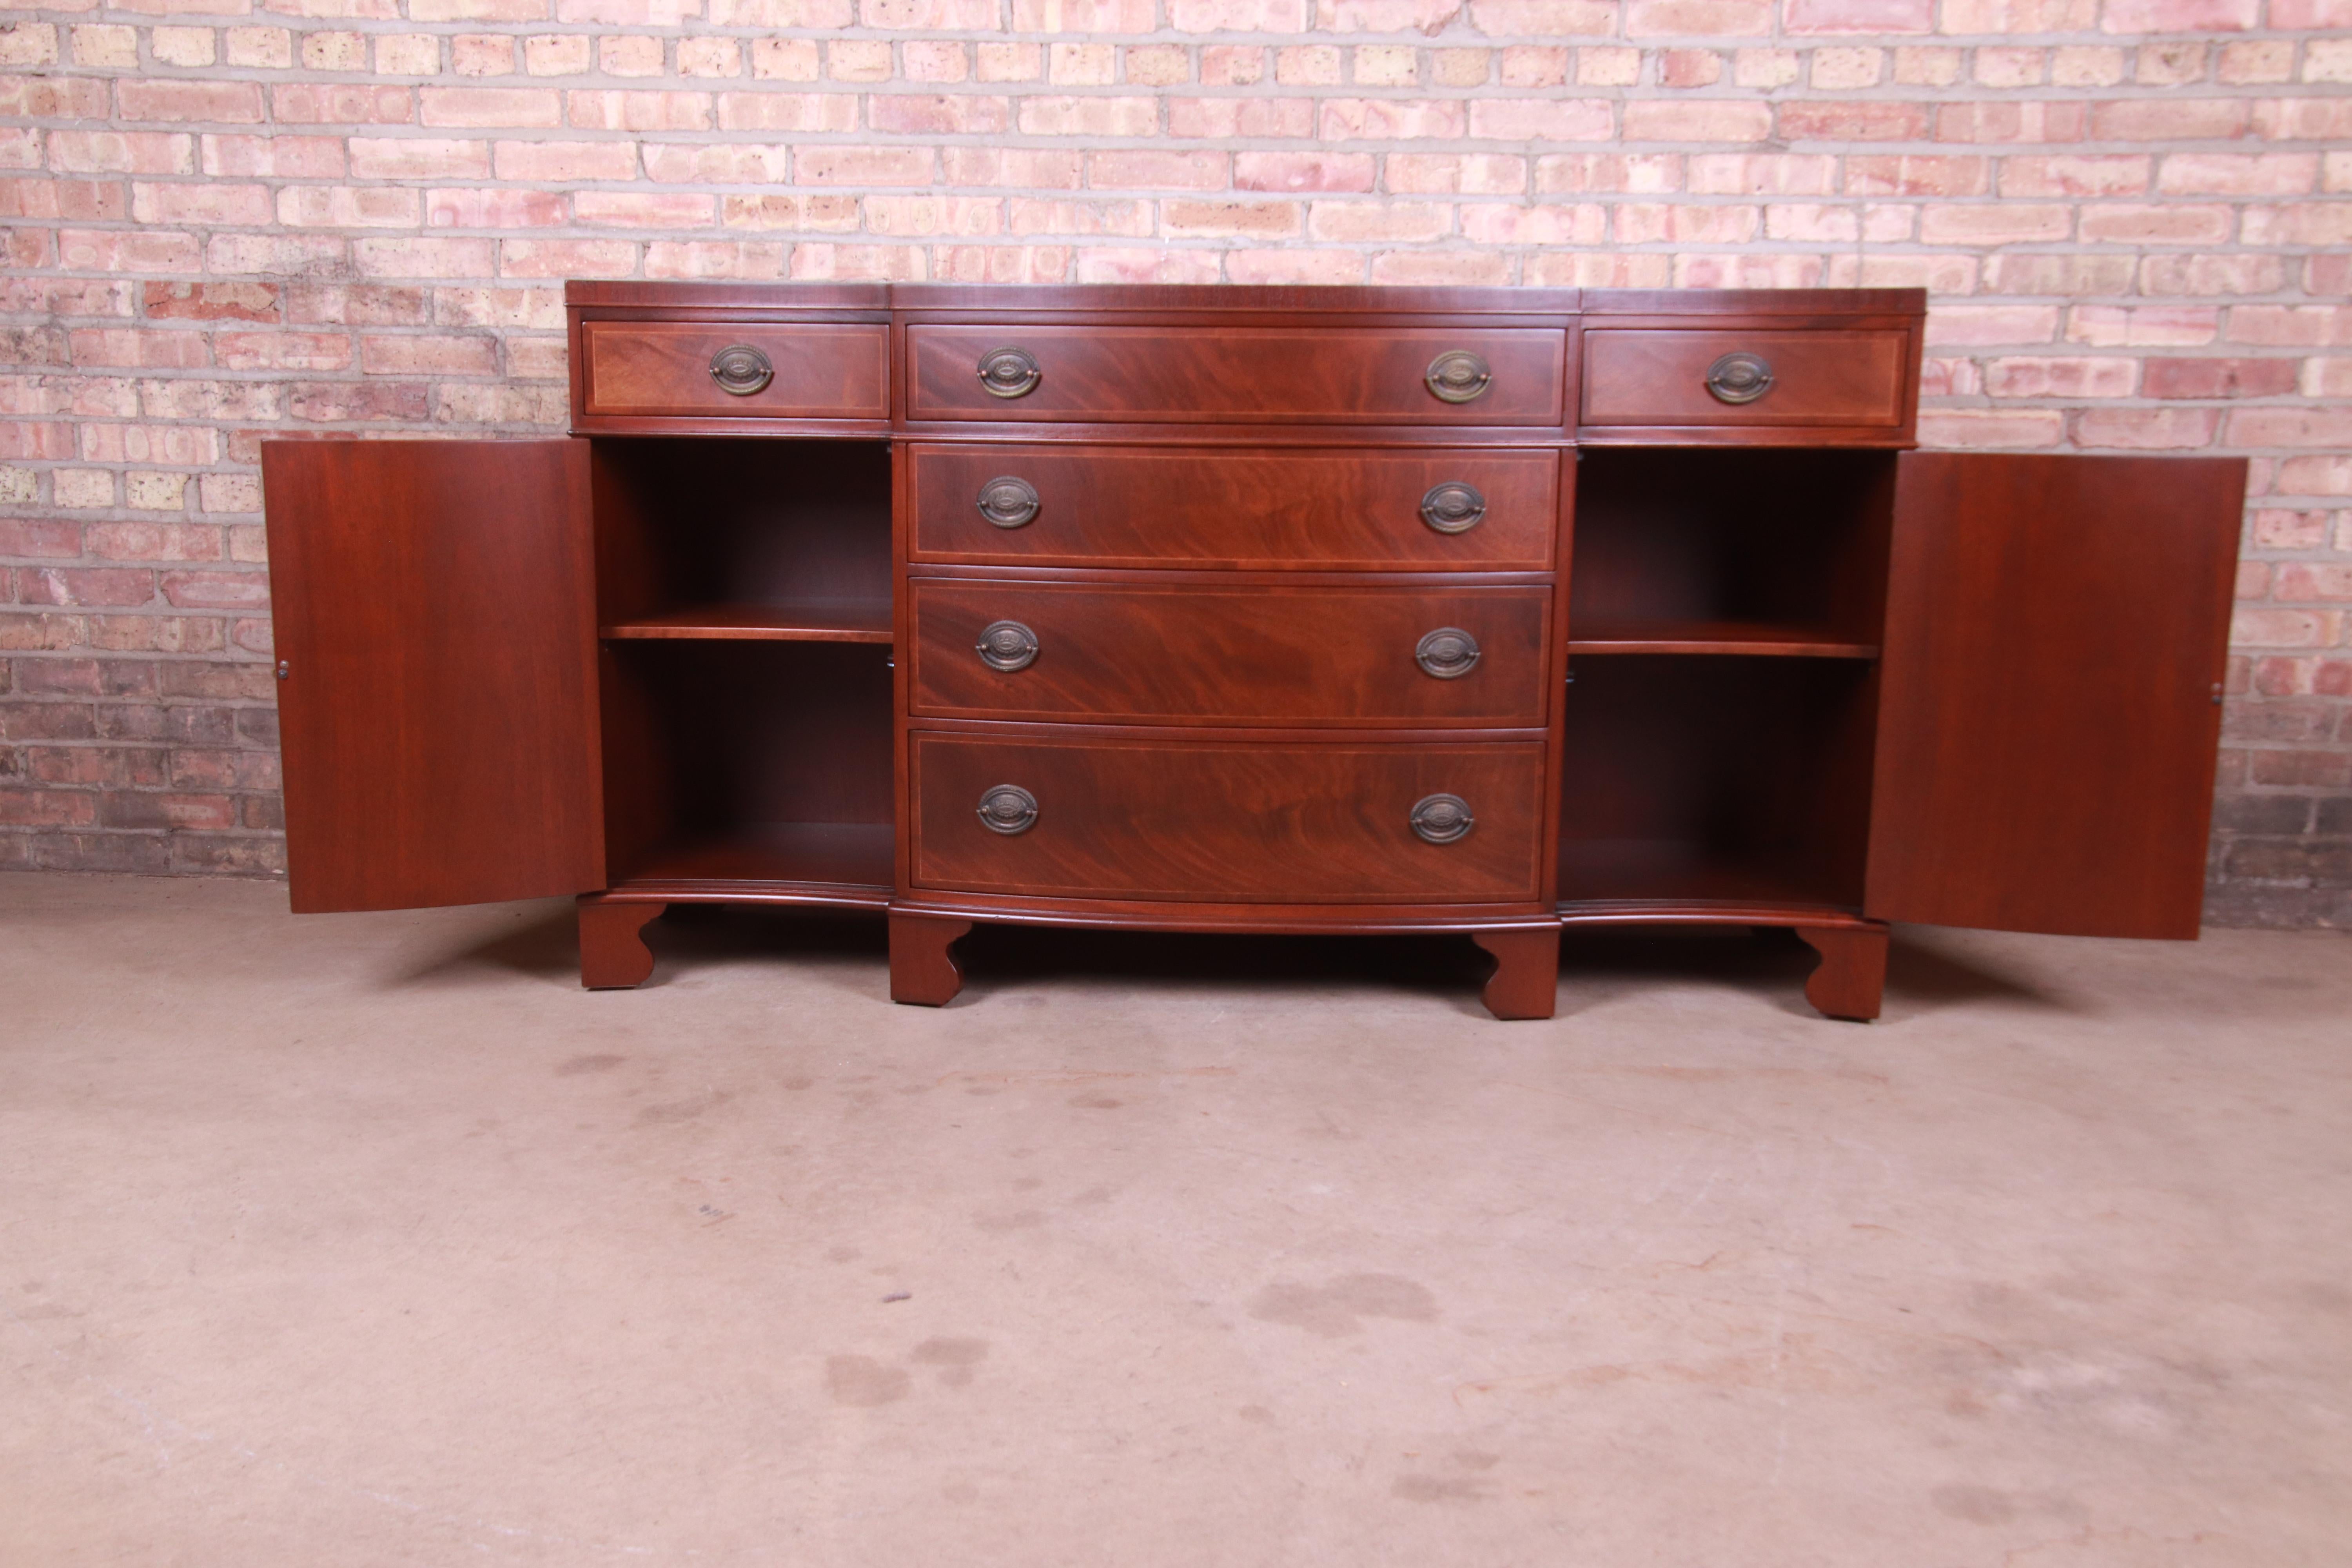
651,368
1658,376
2055,644
1331,376
1231,651
434,610
1263,822
1332,509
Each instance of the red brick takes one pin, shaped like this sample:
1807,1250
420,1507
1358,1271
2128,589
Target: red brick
1852,119
490,106
84,586
2290,427
942,114
1696,19
345,401
418,158
1861,16
491,207
563,162
2167,118
1303,171
341,103
1915,174
2149,429
1542,119
184,99
2179,15
283,350
1230,117
2076,175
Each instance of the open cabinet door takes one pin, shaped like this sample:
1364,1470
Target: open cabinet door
2049,700
435,616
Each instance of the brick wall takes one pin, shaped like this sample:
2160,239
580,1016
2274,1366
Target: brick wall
229,217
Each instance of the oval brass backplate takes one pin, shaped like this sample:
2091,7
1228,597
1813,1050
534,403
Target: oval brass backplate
742,370
1453,506
1006,646
1448,653
1442,818
1008,501
1010,373
1740,377
1458,375
1008,809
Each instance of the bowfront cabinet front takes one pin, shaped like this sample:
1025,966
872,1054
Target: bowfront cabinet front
1471,611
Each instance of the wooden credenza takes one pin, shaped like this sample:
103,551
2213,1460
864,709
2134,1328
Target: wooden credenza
1279,610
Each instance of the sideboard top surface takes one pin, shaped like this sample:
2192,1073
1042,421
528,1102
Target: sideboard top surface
590,294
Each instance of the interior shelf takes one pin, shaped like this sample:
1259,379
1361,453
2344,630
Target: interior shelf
1684,872
840,621
763,765
1698,781
1602,635
853,857
1730,551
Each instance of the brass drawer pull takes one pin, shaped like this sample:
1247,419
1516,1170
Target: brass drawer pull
1739,377
1008,809
1010,373
1448,653
1007,646
742,370
1458,375
1453,506
1007,501
1442,818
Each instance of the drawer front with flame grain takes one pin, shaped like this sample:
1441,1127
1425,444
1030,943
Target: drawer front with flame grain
1403,510
1214,653
1220,822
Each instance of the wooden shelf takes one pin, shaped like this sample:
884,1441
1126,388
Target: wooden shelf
1592,635
836,621
829,862
1623,872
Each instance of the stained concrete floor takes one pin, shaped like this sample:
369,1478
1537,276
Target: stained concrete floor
371,1240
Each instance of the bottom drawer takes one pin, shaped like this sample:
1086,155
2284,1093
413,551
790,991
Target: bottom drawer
1240,823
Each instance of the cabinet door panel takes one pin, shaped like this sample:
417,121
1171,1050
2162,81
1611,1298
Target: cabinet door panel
434,610
2056,633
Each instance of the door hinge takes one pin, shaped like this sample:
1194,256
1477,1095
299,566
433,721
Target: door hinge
2217,694
284,670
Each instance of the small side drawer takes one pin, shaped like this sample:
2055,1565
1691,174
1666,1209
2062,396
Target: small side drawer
1470,657
1091,817
1342,376
1428,509
774,371
1637,376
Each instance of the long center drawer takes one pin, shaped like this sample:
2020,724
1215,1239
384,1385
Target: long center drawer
1217,652
1344,375
1091,817
1394,509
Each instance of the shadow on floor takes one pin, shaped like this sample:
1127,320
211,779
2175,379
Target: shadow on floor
1596,966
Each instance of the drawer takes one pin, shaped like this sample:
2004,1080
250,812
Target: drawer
777,371
1644,376
1438,509
1225,821
1360,375
1218,654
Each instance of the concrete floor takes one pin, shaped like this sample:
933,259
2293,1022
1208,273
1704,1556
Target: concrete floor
371,1240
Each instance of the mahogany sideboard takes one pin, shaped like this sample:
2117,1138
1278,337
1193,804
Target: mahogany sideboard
1269,610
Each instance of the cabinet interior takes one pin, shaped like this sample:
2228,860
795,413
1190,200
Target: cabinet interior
1725,615
1735,550
743,599
742,539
